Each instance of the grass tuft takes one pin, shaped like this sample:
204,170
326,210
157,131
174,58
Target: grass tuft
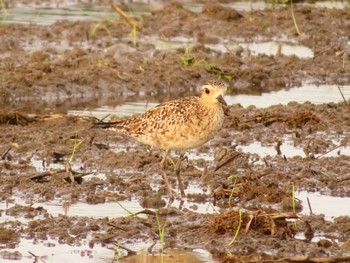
161,229
187,58
77,143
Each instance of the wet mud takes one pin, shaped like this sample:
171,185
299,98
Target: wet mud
56,171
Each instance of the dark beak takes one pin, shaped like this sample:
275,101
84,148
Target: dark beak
221,100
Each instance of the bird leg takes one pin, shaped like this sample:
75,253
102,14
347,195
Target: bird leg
165,177
178,175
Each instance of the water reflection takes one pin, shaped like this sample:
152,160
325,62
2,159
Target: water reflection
316,94
127,109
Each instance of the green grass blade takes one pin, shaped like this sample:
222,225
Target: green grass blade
294,18
238,228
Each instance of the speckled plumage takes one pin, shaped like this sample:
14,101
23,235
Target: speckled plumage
179,124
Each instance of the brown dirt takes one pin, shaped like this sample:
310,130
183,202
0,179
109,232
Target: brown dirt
38,86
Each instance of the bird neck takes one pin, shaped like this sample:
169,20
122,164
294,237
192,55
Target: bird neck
209,103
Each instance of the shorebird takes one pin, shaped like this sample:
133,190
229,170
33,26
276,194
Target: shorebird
181,124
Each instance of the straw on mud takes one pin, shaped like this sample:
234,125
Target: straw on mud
41,177
130,21
236,154
36,257
308,202
293,198
3,156
341,145
129,212
345,101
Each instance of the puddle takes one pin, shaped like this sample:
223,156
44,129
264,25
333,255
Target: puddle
246,6
252,5
261,5
51,251
330,206
289,150
269,48
172,256
108,209
192,154
26,14
316,94
59,206
127,109
41,165
50,13
332,4
112,209
47,16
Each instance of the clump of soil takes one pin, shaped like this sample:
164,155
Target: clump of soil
15,118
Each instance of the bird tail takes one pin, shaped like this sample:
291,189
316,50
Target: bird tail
107,125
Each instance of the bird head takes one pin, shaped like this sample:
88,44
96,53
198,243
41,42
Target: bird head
214,92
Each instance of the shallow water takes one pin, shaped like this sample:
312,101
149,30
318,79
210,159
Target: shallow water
330,206
270,48
289,150
52,251
26,14
333,4
277,47
316,94
73,10
173,256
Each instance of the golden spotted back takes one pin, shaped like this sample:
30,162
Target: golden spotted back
179,124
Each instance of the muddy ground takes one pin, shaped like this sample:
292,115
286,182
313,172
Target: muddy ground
103,67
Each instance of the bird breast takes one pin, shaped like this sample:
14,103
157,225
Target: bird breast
197,129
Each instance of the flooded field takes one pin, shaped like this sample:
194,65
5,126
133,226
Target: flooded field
272,186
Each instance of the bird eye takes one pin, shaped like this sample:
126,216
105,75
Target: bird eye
207,91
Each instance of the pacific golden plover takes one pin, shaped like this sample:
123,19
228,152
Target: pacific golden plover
180,124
